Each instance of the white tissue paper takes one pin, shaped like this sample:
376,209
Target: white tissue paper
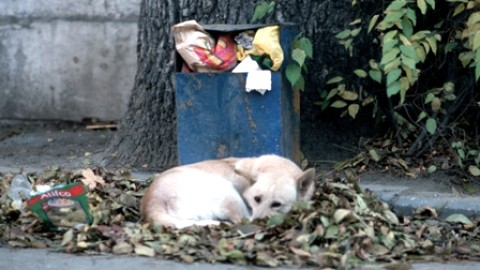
257,79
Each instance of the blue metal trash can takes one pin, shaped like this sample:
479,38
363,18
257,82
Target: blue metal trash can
217,118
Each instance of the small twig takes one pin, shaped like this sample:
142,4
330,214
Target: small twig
344,148
101,126
394,122
454,107
323,161
432,139
417,141
246,235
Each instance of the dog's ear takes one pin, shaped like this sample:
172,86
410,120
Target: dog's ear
244,168
306,184
232,163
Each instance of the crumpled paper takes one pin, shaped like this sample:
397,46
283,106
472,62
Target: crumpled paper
257,79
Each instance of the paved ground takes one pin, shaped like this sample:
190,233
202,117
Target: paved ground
405,195
15,259
40,259
33,146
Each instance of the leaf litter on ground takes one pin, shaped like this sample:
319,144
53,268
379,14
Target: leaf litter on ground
383,155
341,227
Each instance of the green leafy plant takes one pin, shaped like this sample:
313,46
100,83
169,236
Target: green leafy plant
262,9
423,76
471,36
467,154
302,50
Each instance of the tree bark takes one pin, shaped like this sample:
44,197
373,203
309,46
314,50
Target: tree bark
147,133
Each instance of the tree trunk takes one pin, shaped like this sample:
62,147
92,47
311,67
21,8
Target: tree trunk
147,133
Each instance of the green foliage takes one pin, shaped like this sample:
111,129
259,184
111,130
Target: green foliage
301,50
431,125
346,36
426,67
467,154
471,36
263,9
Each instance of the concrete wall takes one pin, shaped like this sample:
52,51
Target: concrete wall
67,59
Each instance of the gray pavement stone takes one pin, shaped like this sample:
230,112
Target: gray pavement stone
404,200
42,259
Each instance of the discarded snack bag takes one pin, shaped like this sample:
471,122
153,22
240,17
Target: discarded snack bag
200,51
62,206
222,56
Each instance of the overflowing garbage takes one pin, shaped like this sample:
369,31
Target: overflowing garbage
256,51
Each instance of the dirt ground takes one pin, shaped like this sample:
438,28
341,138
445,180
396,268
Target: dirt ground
39,145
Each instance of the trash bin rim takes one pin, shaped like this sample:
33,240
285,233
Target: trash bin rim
239,27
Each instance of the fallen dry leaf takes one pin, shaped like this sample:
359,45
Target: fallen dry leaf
91,180
144,250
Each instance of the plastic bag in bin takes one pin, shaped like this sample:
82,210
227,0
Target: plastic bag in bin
200,51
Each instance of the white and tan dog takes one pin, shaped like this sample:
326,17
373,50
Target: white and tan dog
227,190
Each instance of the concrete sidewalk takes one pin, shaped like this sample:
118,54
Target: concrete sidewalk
405,198
36,259
41,259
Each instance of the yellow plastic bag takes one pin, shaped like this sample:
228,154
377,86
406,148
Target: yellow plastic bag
267,41
241,53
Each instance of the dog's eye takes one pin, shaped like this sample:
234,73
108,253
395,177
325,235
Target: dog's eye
257,199
275,204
